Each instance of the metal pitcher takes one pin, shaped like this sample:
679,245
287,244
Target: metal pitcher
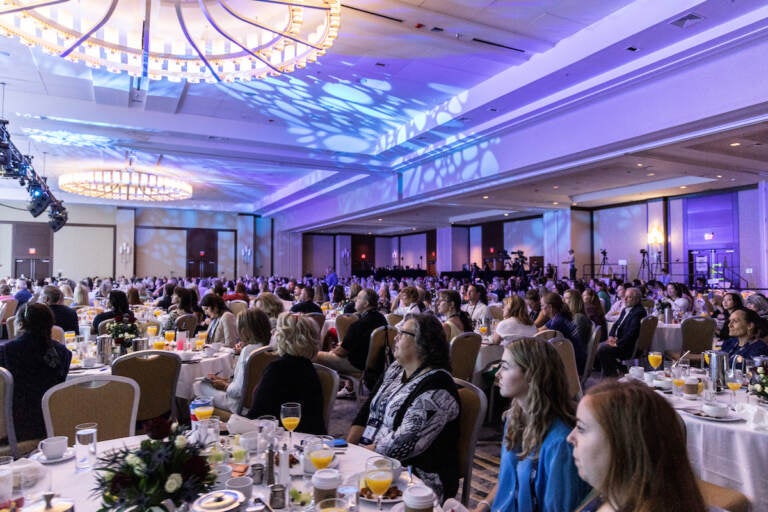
104,349
718,368
140,344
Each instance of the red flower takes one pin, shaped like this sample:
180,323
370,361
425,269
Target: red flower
119,482
157,428
195,466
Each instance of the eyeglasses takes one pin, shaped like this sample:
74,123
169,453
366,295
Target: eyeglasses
409,333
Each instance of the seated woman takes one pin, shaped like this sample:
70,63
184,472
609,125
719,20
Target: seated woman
271,305
37,363
537,470
240,293
456,320
517,321
559,318
745,328
184,300
222,328
593,308
133,296
759,304
292,377
413,415
82,296
118,305
680,302
732,301
621,422
575,303
254,330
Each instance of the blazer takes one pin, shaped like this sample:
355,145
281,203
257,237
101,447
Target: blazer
224,330
627,329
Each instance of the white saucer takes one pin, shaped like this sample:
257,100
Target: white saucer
69,453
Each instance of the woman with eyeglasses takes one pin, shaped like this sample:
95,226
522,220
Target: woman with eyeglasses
37,363
537,472
413,414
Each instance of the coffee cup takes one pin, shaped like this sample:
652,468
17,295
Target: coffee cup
210,351
418,498
89,362
243,484
325,483
53,447
715,409
637,372
691,387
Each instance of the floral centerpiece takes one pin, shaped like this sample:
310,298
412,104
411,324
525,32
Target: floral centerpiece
661,305
123,330
164,467
760,386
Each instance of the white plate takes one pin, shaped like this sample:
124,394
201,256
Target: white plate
400,484
731,417
69,453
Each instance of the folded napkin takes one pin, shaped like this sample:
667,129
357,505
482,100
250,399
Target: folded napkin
241,425
756,416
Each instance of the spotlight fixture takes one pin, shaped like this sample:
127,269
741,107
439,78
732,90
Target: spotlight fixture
40,198
58,216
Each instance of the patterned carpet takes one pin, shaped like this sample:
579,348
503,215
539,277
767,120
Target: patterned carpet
486,461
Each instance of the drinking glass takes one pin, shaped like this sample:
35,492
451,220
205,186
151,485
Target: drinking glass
655,359
6,486
734,380
85,445
290,416
333,505
152,330
320,454
169,335
678,380
378,476
209,431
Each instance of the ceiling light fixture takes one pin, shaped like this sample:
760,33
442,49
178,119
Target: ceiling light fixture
127,184
226,40
485,197
735,144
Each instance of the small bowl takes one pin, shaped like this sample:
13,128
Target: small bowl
715,409
250,440
217,346
186,355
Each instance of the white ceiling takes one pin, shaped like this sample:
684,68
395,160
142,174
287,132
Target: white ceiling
392,90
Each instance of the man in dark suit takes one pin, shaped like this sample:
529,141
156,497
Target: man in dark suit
623,335
306,302
351,354
64,316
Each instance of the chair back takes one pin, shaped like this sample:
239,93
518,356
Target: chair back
564,347
254,369
11,325
473,406
57,334
7,429
548,334
496,311
393,319
187,323
647,303
109,400
594,341
157,374
7,310
104,326
464,350
342,325
381,337
697,332
645,336
329,381
319,319
236,306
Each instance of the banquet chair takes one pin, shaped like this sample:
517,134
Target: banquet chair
11,325
716,495
594,341
13,447
254,369
7,310
237,306
697,333
104,326
380,356
645,337
109,400
319,320
393,319
548,334
157,374
472,411
342,325
329,381
463,352
187,323
564,347
57,334
496,311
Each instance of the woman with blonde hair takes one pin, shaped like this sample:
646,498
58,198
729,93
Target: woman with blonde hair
292,377
629,445
254,330
66,290
575,303
270,304
517,321
82,297
537,472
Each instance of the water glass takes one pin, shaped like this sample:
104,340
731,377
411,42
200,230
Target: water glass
208,431
85,446
6,485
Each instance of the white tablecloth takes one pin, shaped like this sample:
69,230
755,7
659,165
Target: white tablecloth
78,486
488,354
221,362
666,337
733,455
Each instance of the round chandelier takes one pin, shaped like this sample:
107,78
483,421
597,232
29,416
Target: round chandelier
127,184
193,40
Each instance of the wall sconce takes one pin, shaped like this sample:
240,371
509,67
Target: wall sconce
394,257
124,251
345,257
246,252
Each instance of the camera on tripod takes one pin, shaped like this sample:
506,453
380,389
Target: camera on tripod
604,252
643,252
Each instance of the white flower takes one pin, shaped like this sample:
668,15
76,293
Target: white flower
760,370
758,388
138,465
173,483
180,442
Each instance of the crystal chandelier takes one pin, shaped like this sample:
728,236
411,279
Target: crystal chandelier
193,40
128,184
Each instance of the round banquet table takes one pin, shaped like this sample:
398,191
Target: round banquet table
78,486
221,362
667,337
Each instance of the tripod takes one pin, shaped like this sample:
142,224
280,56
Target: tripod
644,266
603,263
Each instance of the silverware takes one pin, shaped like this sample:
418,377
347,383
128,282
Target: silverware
681,357
410,475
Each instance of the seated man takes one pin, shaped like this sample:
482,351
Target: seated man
351,355
306,302
64,316
616,308
623,335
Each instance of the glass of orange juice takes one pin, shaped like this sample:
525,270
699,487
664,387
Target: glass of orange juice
158,344
734,380
152,330
199,343
290,416
320,454
378,476
654,358
169,335
678,380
